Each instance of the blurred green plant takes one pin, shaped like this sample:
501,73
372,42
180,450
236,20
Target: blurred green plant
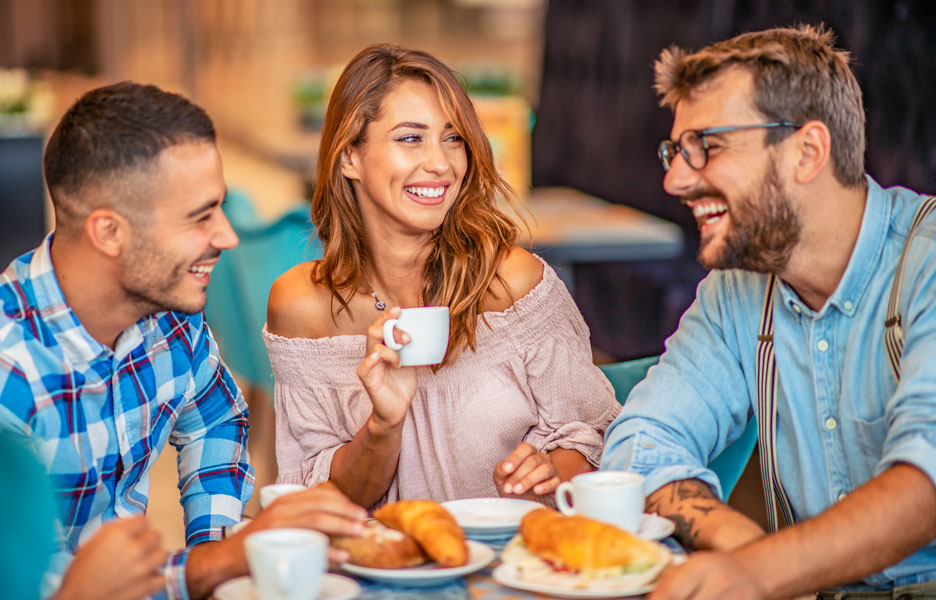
25,104
310,95
489,80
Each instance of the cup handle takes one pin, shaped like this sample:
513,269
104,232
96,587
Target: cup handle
565,490
388,334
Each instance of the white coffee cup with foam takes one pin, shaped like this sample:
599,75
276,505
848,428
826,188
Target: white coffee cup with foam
615,497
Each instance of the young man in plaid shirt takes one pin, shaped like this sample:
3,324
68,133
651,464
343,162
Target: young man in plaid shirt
105,355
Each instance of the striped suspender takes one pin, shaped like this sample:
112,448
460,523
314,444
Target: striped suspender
767,413
893,330
767,381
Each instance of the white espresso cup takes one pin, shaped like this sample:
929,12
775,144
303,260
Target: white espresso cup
287,564
428,329
269,493
615,497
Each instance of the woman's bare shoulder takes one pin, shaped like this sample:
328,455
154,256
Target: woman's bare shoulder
298,307
520,272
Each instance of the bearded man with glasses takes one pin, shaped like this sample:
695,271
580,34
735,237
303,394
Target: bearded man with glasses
818,319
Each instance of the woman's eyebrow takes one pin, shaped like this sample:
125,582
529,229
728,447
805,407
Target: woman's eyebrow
410,124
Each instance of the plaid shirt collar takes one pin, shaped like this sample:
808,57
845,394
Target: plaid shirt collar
53,309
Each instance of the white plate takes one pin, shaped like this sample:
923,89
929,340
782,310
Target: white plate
334,587
498,519
507,575
570,586
490,518
479,556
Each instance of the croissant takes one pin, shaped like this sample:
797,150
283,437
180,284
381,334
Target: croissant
583,544
381,547
433,528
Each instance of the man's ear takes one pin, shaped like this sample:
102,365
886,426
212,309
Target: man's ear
350,159
814,147
108,231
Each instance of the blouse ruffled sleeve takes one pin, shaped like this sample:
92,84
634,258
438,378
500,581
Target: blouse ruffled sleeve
575,402
318,406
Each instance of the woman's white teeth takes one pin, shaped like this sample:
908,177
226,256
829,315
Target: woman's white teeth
201,269
426,192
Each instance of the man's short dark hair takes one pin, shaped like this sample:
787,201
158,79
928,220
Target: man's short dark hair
113,130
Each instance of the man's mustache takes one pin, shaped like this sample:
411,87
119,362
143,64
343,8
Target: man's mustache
703,193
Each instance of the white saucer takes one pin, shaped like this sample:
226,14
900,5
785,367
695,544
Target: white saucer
334,587
479,556
655,527
486,519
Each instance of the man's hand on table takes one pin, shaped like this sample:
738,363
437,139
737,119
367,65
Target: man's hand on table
707,575
122,561
322,507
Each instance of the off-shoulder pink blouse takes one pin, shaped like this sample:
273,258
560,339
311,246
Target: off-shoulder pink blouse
531,379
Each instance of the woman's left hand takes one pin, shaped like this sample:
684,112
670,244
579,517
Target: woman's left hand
526,472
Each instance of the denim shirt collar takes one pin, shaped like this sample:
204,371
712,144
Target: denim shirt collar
859,272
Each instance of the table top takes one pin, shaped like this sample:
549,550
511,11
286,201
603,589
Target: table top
570,226
476,586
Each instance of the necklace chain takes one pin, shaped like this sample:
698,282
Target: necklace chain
378,303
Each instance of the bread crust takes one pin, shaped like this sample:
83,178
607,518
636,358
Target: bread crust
381,547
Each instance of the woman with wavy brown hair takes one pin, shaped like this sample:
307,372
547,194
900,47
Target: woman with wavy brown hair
405,206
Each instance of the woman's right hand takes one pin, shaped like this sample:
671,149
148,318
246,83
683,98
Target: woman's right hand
391,387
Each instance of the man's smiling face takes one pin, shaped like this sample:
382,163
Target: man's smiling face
168,265
747,218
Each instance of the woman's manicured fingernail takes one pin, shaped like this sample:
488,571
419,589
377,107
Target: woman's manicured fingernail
508,467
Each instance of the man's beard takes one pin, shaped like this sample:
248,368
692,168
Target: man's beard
763,230
150,280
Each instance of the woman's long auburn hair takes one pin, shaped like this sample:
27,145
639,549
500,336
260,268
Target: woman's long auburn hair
475,235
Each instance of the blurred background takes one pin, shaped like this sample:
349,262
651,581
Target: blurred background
563,88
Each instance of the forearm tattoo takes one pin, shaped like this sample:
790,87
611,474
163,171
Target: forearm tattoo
684,502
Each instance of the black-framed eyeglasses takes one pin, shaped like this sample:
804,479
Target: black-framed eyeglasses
693,145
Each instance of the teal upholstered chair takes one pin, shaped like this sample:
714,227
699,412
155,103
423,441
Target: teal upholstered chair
26,520
241,282
729,464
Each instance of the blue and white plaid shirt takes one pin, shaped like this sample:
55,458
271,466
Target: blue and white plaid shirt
99,418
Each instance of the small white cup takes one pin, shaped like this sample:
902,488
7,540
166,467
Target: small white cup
615,497
428,329
269,493
287,564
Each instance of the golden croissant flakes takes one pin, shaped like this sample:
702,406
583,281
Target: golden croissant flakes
583,544
433,528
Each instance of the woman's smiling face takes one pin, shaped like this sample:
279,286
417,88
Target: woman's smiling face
409,170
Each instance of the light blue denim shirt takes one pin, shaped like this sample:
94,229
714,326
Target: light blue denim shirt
841,417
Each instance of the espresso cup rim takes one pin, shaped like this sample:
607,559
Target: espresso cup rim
426,308
594,477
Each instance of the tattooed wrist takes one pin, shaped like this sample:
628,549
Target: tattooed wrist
685,502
